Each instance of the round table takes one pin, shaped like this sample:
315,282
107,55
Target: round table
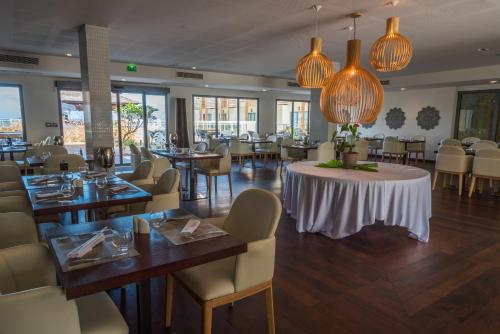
338,202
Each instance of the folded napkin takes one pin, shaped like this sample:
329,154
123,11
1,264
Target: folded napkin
95,174
190,227
141,225
48,194
41,179
87,246
118,189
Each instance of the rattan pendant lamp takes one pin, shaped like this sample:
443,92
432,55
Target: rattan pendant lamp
353,95
314,69
393,51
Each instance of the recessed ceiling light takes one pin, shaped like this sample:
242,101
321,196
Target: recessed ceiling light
402,89
483,50
193,68
206,85
123,79
264,90
493,81
68,54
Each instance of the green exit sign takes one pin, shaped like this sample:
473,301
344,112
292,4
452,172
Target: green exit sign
131,67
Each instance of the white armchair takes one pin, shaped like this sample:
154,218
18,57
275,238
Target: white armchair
393,148
216,167
486,165
470,140
241,151
452,160
450,142
17,228
417,148
226,281
143,174
324,152
361,147
160,165
484,145
375,145
53,163
135,156
10,178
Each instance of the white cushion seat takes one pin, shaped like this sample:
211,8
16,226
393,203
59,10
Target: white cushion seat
99,315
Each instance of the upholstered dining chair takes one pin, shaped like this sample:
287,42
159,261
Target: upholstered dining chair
165,195
17,228
417,148
241,151
268,150
484,144
53,163
216,167
143,174
10,177
361,147
470,140
135,156
375,145
229,280
450,142
28,287
201,147
160,165
393,148
452,160
324,152
486,165
287,155
15,204
52,149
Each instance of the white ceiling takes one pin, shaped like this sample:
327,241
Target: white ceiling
261,37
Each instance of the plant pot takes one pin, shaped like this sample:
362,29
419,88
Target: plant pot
349,159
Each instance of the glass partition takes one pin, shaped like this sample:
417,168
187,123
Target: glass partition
11,112
478,115
248,115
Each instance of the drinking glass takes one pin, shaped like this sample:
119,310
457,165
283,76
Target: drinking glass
101,182
155,218
67,189
83,169
125,239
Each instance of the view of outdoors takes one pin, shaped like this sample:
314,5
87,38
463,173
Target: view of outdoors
479,115
11,116
292,118
224,116
129,121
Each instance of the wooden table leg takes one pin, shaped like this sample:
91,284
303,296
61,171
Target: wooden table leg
74,217
144,306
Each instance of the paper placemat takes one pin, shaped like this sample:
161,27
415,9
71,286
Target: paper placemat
103,253
171,229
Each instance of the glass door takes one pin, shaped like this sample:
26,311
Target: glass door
292,118
478,115
227,117
156,121
72,121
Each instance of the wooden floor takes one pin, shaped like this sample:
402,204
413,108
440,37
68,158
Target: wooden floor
377,281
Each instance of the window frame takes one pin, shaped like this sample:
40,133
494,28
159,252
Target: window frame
293,101
216,97
21,104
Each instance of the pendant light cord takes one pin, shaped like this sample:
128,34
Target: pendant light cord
354,28
316,15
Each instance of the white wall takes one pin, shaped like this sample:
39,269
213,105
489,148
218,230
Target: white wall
412,101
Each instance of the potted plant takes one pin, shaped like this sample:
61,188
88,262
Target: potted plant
349,158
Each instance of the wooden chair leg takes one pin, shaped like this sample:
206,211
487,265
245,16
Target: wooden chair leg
215,183
281,168
472,186
169,300
460,184
207,318
270,310
436,173
239,160
481,186
230,184
445,180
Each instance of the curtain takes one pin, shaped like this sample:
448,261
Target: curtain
181,123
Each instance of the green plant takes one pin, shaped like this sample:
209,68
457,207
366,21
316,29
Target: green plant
351,132
132,119
368,167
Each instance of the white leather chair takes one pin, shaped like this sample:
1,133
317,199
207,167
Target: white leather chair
289,155
417,148
452,160
486,165
241,151
10,177
17,228
52,149
160,165
28,290
201,147
165,195
268,150
484,144
450,142
393,148
361,147
15,204
135,156
324,152
470,140
375,145
216,167
52,164
228,280
143,174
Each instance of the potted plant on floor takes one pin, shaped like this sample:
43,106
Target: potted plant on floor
345,147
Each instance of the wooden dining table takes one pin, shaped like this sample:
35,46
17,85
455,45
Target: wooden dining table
157,257
88,197
191,195
300,147
11,150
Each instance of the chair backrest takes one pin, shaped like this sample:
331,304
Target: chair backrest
453,159
325,152
361,147
487,163
451,142
244,136
17,228
9,173
418,137
493,153
247,223
484,144
379,136
168,182
146,154
201,147
272,138
225,161
74,161
470,140
237,147
287,141
392,145
143,171
52,149
135,156
451,149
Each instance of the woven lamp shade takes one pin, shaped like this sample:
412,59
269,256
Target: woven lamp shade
353,95
314,69
393,51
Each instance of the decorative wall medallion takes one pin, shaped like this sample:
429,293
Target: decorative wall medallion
395,118
369,125
428,118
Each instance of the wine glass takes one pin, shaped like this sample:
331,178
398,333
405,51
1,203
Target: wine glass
67,189
101,182
173,138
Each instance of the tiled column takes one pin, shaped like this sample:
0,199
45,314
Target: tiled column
96,87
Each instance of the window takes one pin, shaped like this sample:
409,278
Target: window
131,125
11,112
478,115
292,118
224,116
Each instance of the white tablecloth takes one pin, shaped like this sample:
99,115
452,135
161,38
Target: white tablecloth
339,202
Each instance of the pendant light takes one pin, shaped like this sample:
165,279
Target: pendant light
391,52
353,95
314,69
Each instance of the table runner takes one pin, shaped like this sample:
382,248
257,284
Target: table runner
339,202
